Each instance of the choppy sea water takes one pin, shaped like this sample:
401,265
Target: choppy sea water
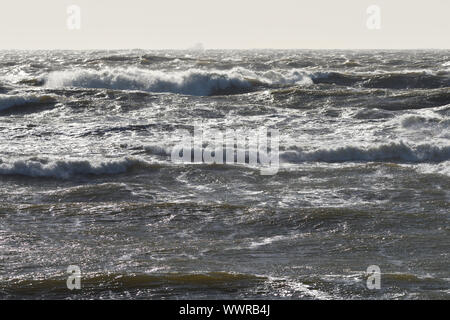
86,177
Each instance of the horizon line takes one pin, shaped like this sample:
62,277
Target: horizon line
215,49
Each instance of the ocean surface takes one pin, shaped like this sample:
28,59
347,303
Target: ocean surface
86,176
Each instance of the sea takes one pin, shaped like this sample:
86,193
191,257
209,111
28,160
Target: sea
93,205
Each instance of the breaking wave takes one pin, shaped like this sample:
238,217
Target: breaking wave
394,80
195,82
391,152
65,169
394,152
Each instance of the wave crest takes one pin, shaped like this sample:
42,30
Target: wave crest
10,101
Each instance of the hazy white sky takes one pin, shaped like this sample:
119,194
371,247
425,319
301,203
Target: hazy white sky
240,24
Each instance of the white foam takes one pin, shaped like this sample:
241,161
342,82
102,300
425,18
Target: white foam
292,286
269,240
441,168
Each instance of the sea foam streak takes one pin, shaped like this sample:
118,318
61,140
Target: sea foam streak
195,82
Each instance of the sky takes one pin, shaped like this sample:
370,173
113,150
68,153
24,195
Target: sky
225,24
